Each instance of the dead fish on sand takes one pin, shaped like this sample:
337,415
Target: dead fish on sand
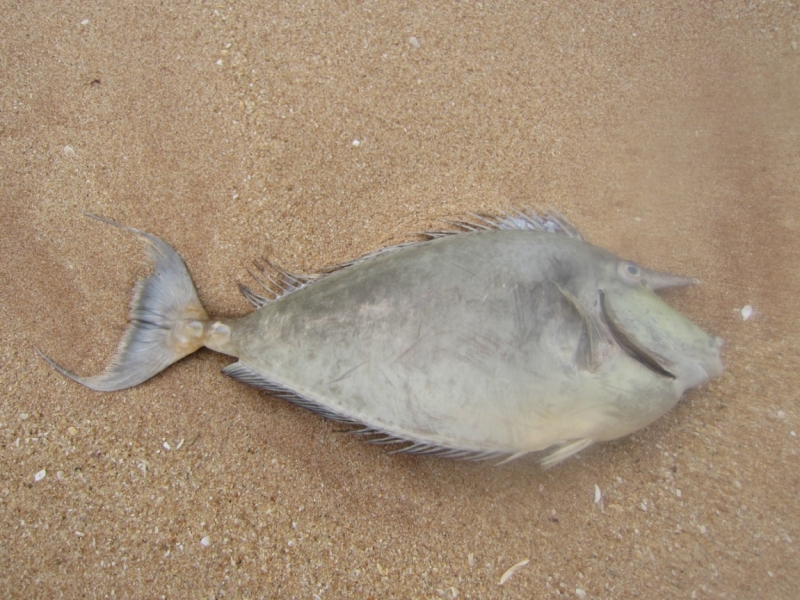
506,336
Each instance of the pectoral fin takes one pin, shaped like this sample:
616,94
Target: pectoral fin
588,355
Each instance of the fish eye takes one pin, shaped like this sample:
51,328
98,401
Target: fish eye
629,272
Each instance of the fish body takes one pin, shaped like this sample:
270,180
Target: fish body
511,336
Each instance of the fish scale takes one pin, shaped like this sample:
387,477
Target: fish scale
507,335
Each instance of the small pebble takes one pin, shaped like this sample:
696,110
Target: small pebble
580,593
747,312
40,475
69,152
206,541
598,495
356,143
414,42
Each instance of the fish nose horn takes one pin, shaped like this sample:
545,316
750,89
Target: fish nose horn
658,280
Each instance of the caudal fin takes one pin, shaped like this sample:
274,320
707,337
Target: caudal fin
167,321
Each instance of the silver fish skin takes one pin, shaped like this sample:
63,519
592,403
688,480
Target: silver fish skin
509,337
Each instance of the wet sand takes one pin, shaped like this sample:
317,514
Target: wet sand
668,134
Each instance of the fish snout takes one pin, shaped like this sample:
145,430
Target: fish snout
659,280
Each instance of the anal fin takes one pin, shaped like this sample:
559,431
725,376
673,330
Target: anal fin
245,374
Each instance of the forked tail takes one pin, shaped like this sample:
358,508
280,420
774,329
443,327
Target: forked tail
167,321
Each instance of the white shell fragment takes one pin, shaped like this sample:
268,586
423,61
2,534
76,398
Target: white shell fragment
40,475
747,312
507,575
206,541
598,495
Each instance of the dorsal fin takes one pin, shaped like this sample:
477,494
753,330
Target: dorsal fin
275,281
279,283
514,218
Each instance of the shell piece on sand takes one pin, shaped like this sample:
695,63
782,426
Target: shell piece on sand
510,572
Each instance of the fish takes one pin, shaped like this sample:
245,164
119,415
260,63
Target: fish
493,337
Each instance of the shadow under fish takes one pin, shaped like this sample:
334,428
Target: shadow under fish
502,336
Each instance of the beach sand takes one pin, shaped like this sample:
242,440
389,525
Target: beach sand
667,133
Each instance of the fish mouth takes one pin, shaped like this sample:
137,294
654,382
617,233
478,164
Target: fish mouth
629,345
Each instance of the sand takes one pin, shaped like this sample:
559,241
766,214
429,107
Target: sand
668,133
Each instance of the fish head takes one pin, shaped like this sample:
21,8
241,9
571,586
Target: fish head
650,330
